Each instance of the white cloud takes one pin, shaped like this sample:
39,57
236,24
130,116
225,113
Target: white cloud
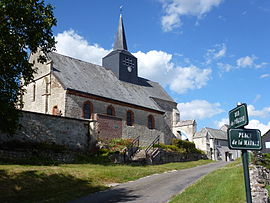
265,112
264,75
175,9
71,44
225,67
153,65
253,124
256,124
257,98
222,122
158,66
198,109
246,61
218,52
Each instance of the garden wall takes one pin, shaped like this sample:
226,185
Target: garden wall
44,128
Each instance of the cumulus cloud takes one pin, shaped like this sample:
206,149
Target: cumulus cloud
263,113
71,44
256,124
175,9
253,124
154,65
198,109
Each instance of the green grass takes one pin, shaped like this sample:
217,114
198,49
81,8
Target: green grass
33,183
225,185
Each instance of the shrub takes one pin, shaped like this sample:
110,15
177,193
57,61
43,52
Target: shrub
189,147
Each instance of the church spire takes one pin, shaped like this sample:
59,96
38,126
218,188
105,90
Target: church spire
120,39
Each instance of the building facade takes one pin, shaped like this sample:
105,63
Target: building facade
214,143
123,104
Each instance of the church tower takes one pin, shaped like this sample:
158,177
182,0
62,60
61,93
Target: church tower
120,60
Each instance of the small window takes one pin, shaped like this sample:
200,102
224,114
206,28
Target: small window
55,110
110,110
34,92
130,118
87,109
151,122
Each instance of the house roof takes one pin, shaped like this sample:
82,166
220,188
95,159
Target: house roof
89,78
213,133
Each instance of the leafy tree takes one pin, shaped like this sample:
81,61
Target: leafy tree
25,26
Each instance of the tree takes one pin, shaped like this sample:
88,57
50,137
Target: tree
25,26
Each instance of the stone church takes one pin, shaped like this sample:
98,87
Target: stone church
119,102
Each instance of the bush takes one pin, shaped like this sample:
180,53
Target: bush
171,148
189,147
262,159
114,145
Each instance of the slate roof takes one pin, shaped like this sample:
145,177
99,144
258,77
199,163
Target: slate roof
96,80
120,39
214,133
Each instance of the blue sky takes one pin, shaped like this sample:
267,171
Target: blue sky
208,55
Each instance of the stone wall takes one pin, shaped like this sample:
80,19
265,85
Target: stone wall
36,127
259,178
169,157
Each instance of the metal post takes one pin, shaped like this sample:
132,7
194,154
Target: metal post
246,176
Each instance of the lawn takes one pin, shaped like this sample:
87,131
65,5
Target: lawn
225,185
33,183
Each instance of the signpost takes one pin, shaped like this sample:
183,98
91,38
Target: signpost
247,139
238,116
243,139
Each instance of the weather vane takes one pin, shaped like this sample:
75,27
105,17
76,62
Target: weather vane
121,9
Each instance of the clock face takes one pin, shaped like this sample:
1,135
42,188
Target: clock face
129,69
129,63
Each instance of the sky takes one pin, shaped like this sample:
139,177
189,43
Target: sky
208,54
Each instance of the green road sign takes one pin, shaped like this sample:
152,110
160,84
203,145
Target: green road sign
238,116
248,139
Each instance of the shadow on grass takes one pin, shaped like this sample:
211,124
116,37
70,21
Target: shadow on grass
33,186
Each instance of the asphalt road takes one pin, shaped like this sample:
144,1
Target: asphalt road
158,188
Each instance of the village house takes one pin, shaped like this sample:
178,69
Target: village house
123,104
214,143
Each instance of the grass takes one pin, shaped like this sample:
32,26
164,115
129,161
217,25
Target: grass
225,185
36,183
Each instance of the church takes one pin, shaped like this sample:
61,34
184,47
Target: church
119,102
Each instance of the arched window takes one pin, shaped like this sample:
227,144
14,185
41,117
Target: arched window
55,110
130,118
87,109
151,122
110,110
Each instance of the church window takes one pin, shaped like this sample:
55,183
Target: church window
151,122
34,92
110,110
87,109
55,110
130,118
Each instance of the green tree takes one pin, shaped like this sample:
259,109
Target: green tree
25,26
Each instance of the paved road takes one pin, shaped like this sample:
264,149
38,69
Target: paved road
157,188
